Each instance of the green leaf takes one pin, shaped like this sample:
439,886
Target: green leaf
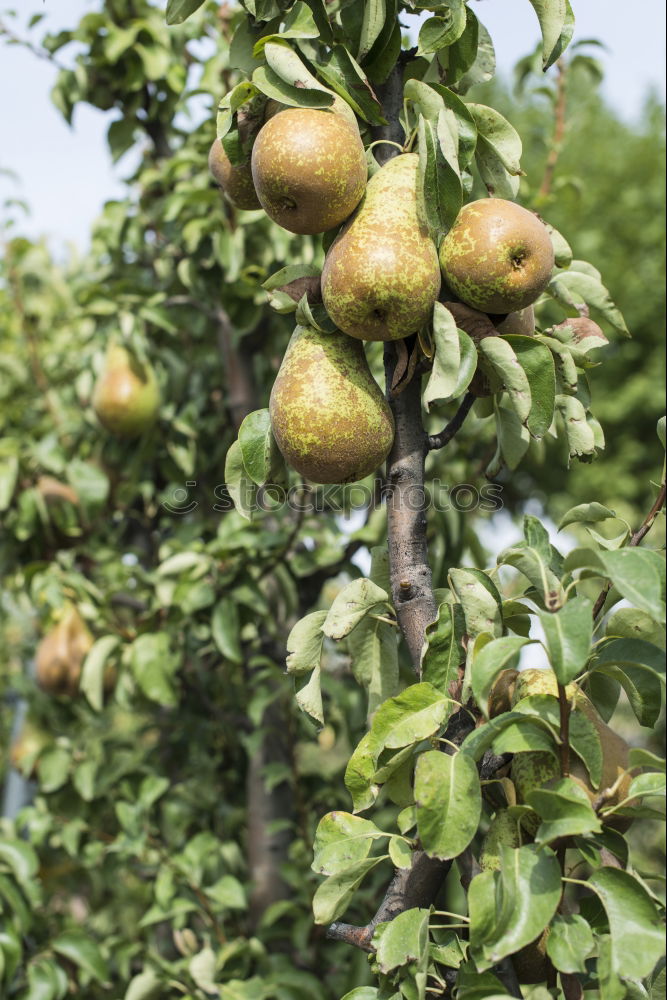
497,355
145,986
375,13
639,667
373,648
638,575
509,908
261,457
89,482
228,893
20,858
554,17
584,736
570,942
513,440
9,470
586,513
413,715
351,605
153,666
92,672
512,732
538,365
637,939
304,644
631,623
647,784
579,433
348,80
438,32
499,137
308,694
226,629
240,486
341,841
496,656
335,894
574,288
81,949
535,566
402,940
272,85
180,10
569,634
481,602
443,652
565,810
449,802
455,359
53,769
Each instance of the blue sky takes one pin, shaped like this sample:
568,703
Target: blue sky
65,174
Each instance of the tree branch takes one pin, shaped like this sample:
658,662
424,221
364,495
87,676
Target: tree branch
558,133
453,427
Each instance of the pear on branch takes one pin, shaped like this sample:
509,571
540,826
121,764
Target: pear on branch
235,182
381,275
309,169
126,397
61,653
497,257
329,418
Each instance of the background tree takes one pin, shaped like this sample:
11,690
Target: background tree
167,848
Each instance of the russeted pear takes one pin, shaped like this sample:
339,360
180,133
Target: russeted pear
381,275
61,653
126,397
235,182
520,323
309,169
328,416
531,769
497,257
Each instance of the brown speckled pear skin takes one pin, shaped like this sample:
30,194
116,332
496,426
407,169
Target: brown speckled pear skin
331,422
381,276
236,182
497,257
521,323
309,169
126,397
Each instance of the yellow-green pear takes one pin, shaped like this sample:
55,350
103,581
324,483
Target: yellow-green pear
497,257
328,416
60,654
309,169
235,182
126,397
381,275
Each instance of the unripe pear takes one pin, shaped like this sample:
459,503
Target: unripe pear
61,653
126,397
381,276
309,169
328,416
497,257
235,182
531,963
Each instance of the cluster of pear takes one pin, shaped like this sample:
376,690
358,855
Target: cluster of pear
382,275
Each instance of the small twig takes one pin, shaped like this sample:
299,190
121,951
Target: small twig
636,539
447,433
564,732
25,44
558,133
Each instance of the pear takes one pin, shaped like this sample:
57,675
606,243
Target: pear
61,653
27,746
235,182
381,275
497,257
328,416
309,169
531,963
521,323
126,397
503,832
532,769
